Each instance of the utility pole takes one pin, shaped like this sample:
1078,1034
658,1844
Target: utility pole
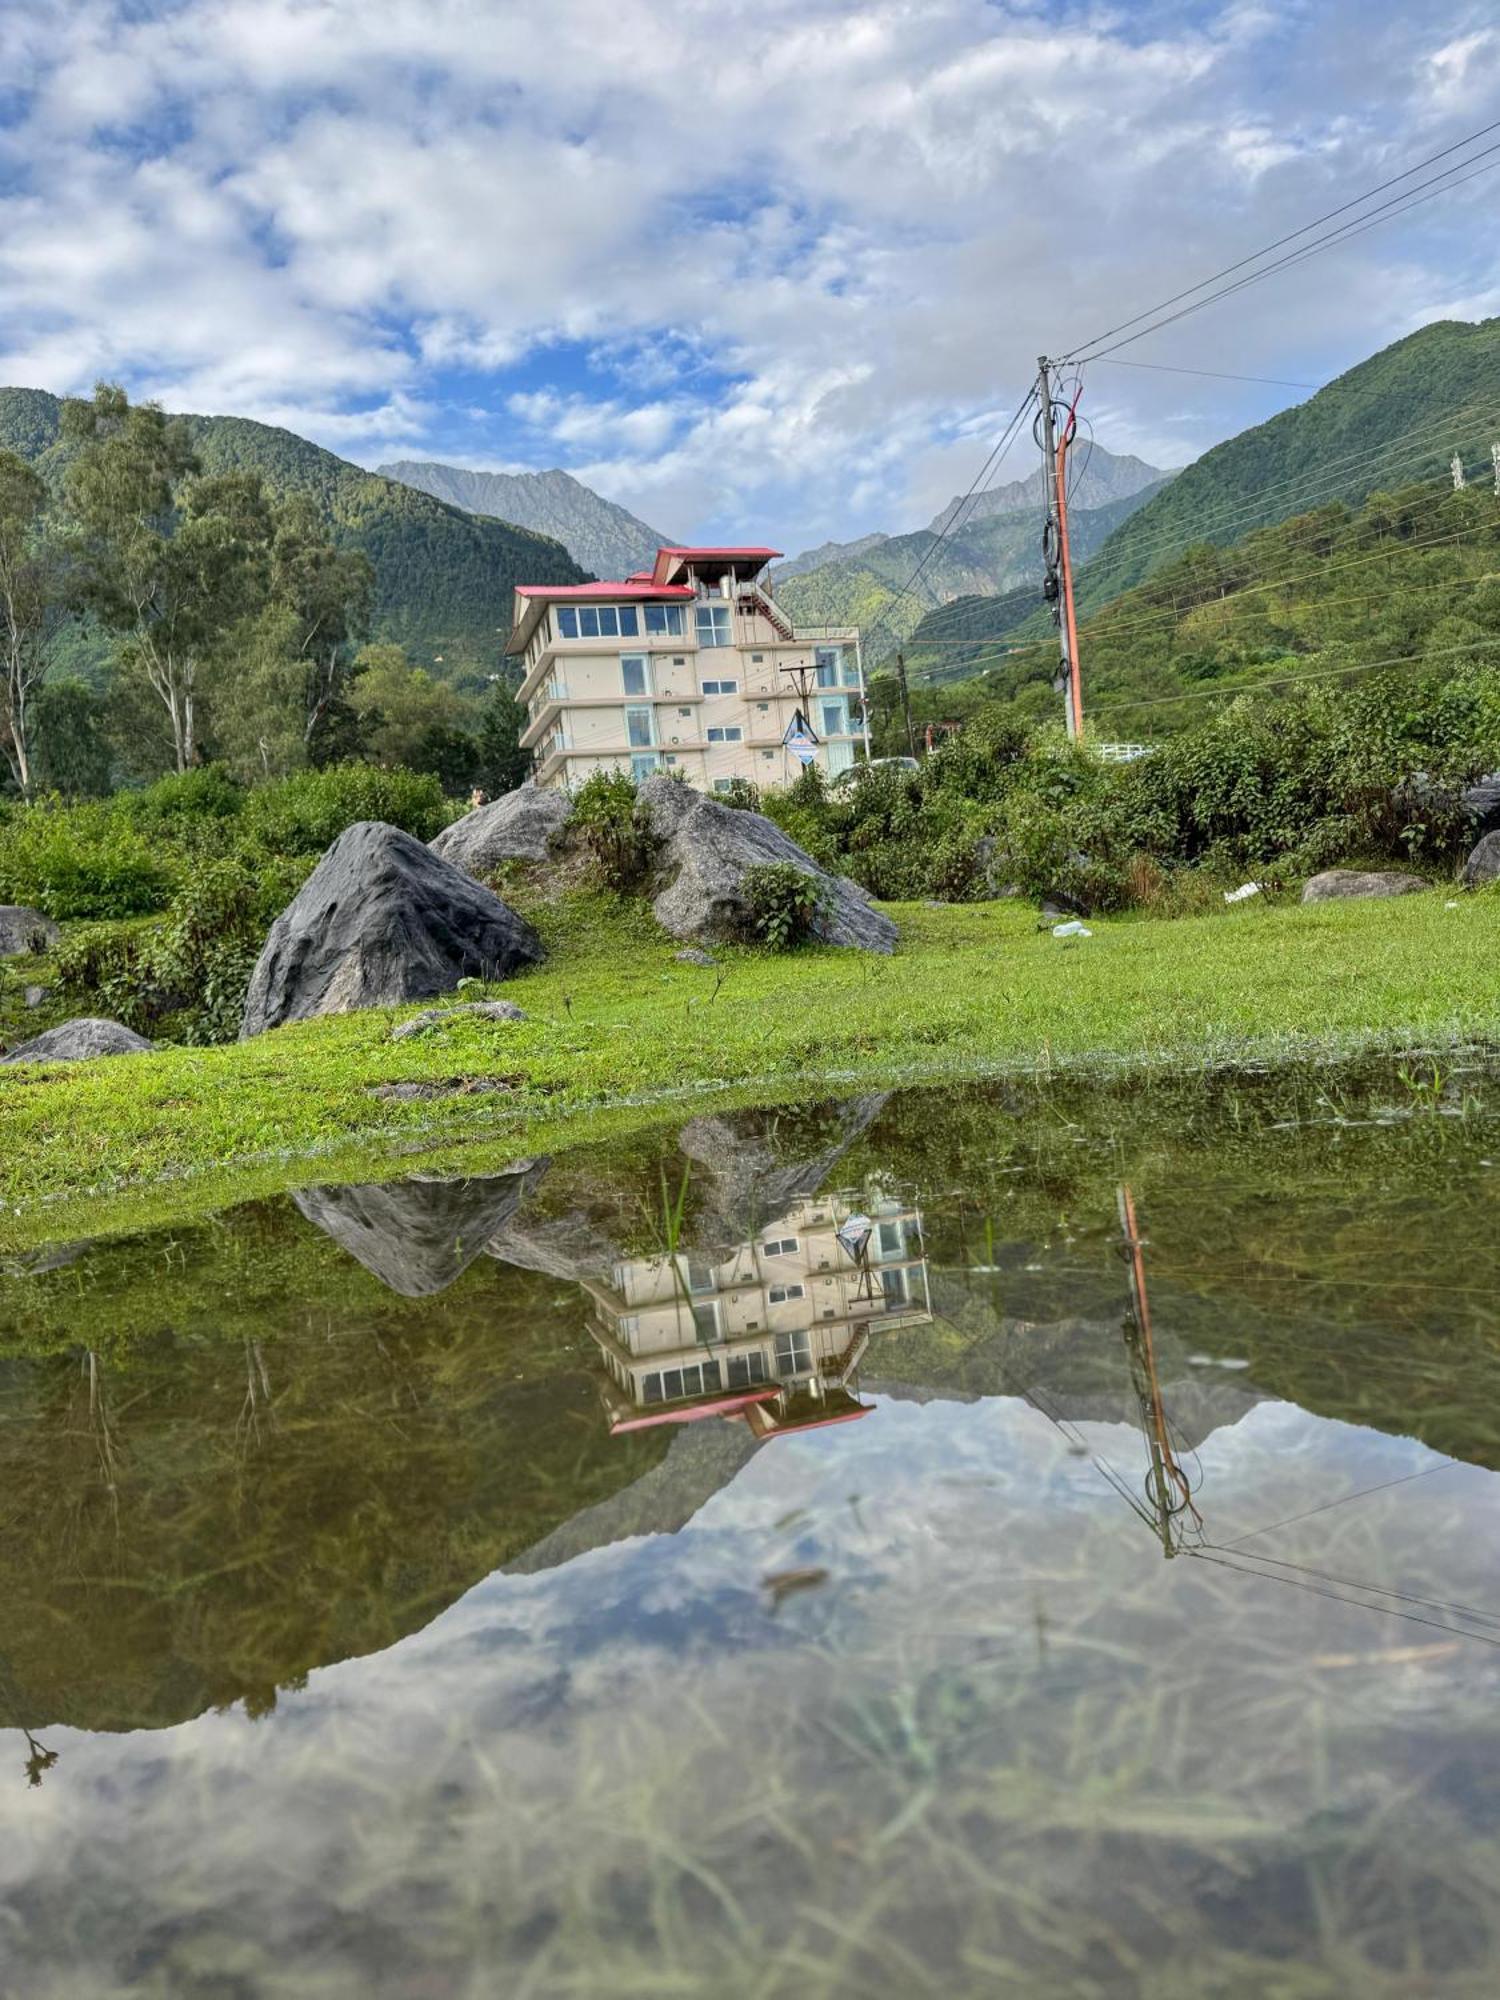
1059,582
864,692
1456,467
911,741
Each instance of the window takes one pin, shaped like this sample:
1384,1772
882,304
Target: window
713,625
892,1239
851,672
670,758
780,1246
779,1294
721,687
723,784
629,1326
651,1389
746,1368
732,734
835,720
700,1276
756,658
893,1286
635,669
793,1355
595,621
768,756
641,767
664,620
638,727
706,1320
828,660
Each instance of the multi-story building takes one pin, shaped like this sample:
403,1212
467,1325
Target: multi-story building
691,667
773,1330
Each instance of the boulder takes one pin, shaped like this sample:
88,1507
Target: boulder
704,850
23,930
1336,883
694,955
473,1010
78,1041
1483,865
416,1236
1481,801
382,919
523,826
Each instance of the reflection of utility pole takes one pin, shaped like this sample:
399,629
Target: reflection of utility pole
1456,467
41,1758
1167,1486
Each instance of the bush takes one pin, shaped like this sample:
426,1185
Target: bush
209,793
739,793
306,813
81,861
782,904
615,828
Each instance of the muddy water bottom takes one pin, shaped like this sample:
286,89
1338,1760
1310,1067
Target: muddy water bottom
1035,1541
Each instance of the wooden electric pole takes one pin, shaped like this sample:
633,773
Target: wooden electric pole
911,741
1059,584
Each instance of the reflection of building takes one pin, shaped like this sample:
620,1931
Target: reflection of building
773,1330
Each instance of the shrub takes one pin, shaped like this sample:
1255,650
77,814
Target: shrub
615,828
81,861
782,904
739,793
306,813
211,792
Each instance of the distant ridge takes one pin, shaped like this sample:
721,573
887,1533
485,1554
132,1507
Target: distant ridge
599,535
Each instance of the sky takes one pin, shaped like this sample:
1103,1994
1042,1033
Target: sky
773,272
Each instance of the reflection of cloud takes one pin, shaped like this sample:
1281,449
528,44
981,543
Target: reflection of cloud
798,269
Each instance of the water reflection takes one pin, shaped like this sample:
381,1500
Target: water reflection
405,1590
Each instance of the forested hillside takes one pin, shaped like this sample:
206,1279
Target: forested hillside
987,557
1399,416
606,539
444,578
1411,575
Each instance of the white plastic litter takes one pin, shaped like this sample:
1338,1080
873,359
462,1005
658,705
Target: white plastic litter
1243,894
1451,906
1074,929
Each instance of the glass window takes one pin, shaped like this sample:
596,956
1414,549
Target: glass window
835,722
892,1239
828,660
781,1246
781,1293
746,1368
700,1276
721,687
664,620
723,784
671,1383
638,727
651,1389
706,1320
711,1375
588,621
893,1285
641,767
636,669
629,629
793,1355
567,622
726,735
713,625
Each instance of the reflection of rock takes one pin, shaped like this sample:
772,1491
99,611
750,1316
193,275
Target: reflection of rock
381,919
81,1041
418,1235
574,1245
705,851
751,1166
520,827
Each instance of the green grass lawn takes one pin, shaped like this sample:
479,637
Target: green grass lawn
618,1033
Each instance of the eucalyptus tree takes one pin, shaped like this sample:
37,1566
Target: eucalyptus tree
35,605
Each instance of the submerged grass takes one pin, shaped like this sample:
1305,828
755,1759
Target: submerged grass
619,1034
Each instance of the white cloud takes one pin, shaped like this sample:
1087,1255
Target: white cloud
806,242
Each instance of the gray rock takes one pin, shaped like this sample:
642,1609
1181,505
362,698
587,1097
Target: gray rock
427,1092
1481,801
418,1235
474,1010
382,919
1335,883
693,956
704,851
79,1041
33,996
1483,865
523,826
23,930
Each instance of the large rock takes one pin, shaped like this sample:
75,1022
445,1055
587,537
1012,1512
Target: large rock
418,1235
23,930
382,919
1483,865
1336,883
705,850
78,1041
523,826
1481,801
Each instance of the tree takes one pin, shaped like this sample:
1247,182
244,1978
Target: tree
34,607
172,562
326,594
69,741
502,764
399,705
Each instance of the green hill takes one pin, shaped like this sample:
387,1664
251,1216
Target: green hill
996,554
444,578
1398,417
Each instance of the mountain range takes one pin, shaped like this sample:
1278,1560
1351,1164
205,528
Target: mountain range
603,538
444,577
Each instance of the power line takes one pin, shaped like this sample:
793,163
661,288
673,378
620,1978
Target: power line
1316,674
1217,374
1307,228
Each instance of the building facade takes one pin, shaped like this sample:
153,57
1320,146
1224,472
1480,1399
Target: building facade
691,668
773,1330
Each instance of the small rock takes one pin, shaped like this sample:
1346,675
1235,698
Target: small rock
23,929
1483,865
448,1086
1336,883
473,1010
78,1041
692,956
1058,903
33,996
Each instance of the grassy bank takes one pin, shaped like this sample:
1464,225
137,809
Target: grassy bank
619,1034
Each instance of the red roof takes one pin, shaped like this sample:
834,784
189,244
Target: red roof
692,1413
566,592
668,559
